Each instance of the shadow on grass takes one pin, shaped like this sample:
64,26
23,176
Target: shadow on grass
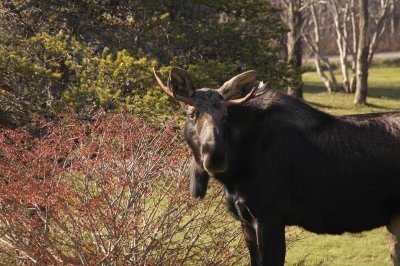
377,106
385,92
313,88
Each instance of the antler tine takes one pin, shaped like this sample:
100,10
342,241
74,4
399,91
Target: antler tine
252,94
162,85
169,82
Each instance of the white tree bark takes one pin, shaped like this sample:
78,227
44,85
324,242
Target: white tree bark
314,45
355,45
347,14
340,16
385,12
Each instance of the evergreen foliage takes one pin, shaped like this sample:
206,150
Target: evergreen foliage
97,55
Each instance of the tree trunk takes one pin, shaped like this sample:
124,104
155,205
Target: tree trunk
294,48
362,55
343,57
340,22
345,82
330,85
324,78
386,11
353,82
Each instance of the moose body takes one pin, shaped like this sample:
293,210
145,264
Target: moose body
283,162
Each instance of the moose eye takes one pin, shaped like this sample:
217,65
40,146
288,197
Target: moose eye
192,115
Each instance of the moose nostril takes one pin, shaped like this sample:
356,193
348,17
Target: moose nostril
214,163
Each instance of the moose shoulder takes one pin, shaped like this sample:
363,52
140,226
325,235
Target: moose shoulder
282,162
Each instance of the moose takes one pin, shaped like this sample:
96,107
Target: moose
283,162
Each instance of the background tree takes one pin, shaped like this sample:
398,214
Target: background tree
311,34
292,15
343,19
294,47
366,45
362,55
340,13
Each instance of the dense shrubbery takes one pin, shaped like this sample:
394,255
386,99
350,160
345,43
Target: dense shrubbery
113,191
66,73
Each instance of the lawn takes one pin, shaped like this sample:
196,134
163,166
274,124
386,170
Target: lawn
367,248
383,93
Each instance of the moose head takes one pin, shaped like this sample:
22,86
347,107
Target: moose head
206,116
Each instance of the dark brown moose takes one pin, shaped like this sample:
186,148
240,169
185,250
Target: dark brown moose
283,162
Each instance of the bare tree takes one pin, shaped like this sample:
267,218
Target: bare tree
366,45
107,192
313,44
340,14
381,13
343,17
354,23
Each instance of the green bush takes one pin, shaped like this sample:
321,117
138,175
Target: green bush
116,83
211,73
47,73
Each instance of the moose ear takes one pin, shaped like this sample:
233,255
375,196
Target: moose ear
181,83
238,85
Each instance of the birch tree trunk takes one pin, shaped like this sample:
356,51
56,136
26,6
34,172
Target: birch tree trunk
353,80
385,12
342,43
362,55
340,16
381,12
330,84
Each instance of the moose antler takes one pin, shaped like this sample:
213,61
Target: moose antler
261,89
171,92
158,78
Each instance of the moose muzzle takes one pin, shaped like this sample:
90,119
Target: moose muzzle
214,156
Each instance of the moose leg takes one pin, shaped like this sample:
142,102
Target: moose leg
250,235
394,239
271,242
251,242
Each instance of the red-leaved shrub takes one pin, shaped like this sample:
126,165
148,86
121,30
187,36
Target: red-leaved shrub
112,191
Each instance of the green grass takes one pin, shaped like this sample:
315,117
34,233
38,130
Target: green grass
367,248
383,93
